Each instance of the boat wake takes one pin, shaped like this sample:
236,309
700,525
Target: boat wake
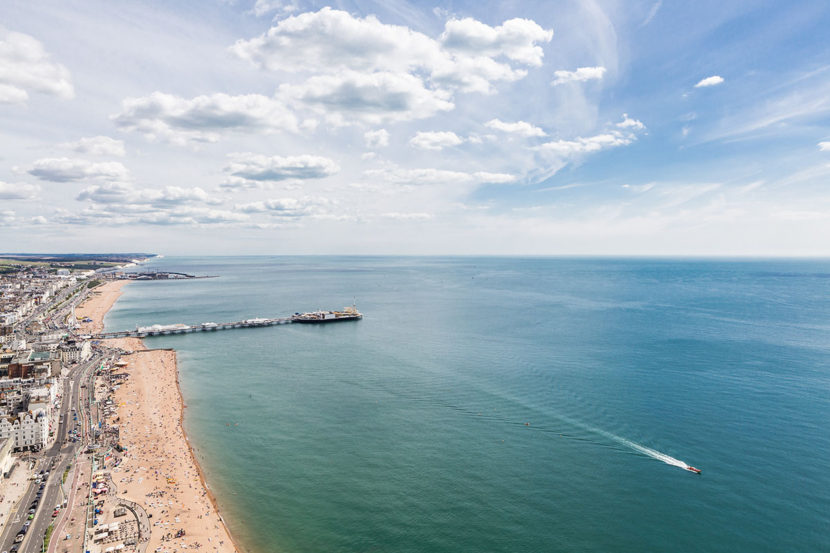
647,451
653,453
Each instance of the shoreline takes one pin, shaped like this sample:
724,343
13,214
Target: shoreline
202,480
150,376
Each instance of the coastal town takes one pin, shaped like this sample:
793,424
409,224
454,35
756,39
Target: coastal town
93,456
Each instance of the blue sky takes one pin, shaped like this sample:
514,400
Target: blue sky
544,128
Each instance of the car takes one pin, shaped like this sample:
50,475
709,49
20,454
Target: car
31,516
19,538
31,511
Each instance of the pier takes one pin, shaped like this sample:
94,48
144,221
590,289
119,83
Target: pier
166,330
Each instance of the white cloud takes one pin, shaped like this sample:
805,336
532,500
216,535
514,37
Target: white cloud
25,66
430,176
370,97
66,170
710,81
640,188
263,7
97,146
260,168
474,74
629,123
286,207
435,140
331,41
176,195
569,148
193,216
824,146
7,217
398,216
623,134
162,116
109,193
580,75
376,139
18,191
515,39
12,95
148,199
334,39
520,128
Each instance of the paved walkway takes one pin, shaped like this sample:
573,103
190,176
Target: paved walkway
11,491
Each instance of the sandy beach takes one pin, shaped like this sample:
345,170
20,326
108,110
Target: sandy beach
158,469
100,300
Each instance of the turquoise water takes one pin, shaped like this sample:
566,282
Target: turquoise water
497,404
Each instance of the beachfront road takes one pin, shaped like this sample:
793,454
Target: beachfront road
55,460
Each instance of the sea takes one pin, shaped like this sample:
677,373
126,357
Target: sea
506,404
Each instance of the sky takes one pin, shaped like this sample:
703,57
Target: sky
582,127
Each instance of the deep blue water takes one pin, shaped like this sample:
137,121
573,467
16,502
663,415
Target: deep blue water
481,403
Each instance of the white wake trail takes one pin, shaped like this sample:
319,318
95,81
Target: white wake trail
653,453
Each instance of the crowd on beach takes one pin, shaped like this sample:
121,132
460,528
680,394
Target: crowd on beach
156,468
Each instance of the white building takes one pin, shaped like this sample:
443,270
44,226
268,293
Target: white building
8,318
6,459
75,351
42,399
28,431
